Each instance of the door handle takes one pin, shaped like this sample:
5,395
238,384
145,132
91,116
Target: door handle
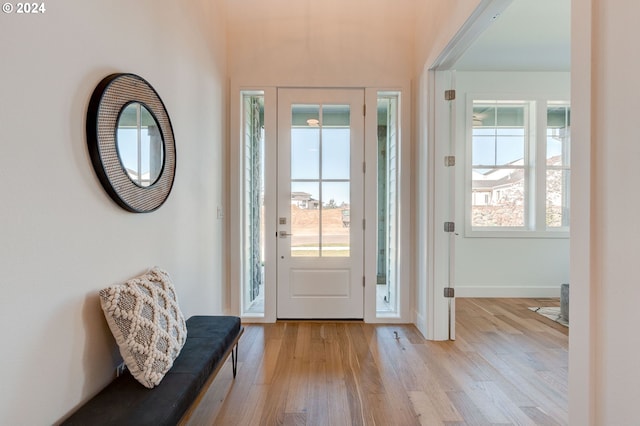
284,234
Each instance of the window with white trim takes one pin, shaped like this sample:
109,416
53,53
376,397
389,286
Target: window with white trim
519,170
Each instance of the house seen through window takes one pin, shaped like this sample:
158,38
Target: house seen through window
519,174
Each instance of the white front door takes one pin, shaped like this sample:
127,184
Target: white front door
320,203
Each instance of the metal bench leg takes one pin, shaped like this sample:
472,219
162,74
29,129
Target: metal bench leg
234,360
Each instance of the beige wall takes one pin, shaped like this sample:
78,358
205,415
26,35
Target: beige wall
313,44
61,236
436,24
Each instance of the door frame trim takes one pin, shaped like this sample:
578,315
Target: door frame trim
233,232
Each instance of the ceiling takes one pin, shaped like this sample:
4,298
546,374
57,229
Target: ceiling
529,35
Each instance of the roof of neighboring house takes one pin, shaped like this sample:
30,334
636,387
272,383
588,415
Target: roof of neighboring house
302,196
510,178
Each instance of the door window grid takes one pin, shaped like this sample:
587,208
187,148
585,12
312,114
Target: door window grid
320,181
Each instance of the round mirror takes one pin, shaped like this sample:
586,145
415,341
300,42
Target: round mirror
131,142
139,144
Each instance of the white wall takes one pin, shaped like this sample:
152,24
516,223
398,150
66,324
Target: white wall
607,246
505,267
62,238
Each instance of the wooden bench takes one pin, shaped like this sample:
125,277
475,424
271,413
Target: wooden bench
210,341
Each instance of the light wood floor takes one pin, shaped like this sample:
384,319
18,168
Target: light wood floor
508,365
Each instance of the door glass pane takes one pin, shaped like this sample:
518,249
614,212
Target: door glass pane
305,153
305,142
335,219
336,116
304,115
336,142
336,156
305,219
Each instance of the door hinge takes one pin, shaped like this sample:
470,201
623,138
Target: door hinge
364,167
449,292
449,95
449,160
363,281
364,110
364,224
449,227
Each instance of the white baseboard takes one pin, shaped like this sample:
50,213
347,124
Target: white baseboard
421,323
511,291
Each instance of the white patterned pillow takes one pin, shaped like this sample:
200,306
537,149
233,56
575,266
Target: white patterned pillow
146,321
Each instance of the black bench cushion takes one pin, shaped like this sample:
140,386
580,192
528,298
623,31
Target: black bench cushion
126,402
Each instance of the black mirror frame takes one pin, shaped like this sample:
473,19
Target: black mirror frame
107,101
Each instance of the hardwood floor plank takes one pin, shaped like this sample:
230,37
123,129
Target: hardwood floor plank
295,419
507,366
379,411
275,406
404,360
251,407
299,384
474,383
539,417
494,398
390,364
471,414
528,383
338,398
427,374
352,356
424,406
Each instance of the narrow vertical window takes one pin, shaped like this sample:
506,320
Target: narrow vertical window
253,211
387,196
558,165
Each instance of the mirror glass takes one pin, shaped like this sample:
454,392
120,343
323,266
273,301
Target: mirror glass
140,145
